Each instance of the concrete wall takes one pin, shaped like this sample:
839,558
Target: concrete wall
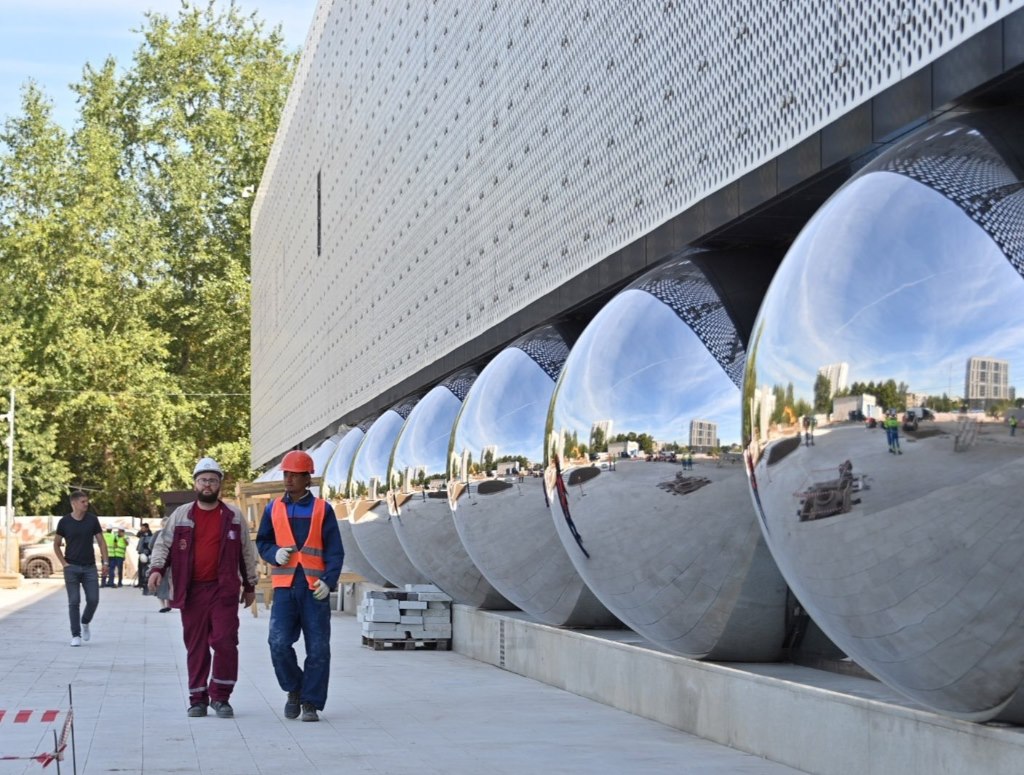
815,729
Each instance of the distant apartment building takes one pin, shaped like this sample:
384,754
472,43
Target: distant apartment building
915,399
987,382
703,435
838,375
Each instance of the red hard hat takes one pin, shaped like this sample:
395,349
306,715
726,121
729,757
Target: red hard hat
297,462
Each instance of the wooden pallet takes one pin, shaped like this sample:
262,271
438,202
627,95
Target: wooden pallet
407,644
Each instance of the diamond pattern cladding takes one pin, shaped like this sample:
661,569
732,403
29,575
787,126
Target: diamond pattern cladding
969,172
474,155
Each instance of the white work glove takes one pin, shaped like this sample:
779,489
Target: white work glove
322,590
281,558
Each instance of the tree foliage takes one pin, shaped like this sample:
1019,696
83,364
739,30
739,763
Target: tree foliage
124,250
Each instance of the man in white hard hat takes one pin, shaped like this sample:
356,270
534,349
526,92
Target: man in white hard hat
206,547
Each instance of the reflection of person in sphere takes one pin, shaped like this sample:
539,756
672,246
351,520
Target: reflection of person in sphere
892,432
808,430
1013,425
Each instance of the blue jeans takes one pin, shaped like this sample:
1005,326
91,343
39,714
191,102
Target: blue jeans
296,612
76,578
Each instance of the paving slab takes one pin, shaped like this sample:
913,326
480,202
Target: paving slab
388,712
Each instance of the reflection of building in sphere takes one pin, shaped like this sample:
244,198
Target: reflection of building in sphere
837,374
676,556
987,382
703,435
904,539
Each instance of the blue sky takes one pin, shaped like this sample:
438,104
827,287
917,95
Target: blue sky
50,41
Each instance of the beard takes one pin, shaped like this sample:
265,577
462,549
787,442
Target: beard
208,497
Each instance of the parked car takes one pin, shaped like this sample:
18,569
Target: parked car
39,562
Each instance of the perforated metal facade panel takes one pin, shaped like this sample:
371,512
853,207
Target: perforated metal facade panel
469,157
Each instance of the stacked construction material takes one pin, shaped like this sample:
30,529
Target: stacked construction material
419,615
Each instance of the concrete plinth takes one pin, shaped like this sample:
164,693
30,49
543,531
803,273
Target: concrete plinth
812,720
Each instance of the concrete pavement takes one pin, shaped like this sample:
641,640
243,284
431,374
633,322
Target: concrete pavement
387,712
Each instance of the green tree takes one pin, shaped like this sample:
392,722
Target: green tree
200,110
124,250
822,394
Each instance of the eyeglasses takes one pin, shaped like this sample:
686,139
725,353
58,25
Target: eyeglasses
207,481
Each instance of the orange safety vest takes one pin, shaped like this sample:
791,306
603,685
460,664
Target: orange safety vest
310,556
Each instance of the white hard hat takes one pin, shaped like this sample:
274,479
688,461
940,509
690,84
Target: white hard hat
143,557
207,465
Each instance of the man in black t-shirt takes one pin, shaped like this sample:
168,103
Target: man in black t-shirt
79,529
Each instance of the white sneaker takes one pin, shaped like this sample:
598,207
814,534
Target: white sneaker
76,641
85,632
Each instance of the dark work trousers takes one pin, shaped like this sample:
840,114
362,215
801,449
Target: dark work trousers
210,622
296,611
116,566
77,578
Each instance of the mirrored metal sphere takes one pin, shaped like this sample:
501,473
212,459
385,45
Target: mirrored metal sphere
366,504
675,552
894,327
333,488
321,453
496,488
419,481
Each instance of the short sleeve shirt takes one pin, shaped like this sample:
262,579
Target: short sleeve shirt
79,536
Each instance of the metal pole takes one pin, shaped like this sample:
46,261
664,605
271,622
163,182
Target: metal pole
9,513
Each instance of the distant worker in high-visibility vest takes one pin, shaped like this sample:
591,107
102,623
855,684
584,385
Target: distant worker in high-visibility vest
892,432
299,538
117,547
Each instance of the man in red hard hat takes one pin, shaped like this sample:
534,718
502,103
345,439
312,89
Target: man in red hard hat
206,548
299,538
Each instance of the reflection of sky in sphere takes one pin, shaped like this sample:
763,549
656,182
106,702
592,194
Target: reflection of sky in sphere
423,445
506,409
336,476
896,280
640,366
374,453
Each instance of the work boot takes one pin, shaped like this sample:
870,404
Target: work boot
291,706
309,712
223,709
198,710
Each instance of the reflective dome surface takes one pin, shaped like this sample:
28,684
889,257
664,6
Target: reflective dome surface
366,505
322,453
419,480
503,519
333,487
904,290
675,553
